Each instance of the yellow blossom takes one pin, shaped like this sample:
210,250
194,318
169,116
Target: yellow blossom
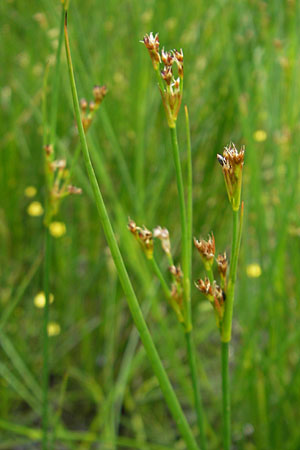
53,329
260,136
57,229
253,270
35,209
40,299
30,191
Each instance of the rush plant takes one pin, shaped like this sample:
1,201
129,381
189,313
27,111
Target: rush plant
169,70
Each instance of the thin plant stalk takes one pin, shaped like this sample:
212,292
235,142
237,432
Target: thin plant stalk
189,207
160,276
184,230
227,324
226,396
46,276
133,304
196,388
236,240
55,84
45,407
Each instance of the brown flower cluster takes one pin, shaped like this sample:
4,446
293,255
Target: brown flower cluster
215,295
57,177
232,162
171,92
214,292
143,236
206,249
88,109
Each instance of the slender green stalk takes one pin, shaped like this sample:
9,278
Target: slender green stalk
55,84
196,388
133,304
210,275
226,396
227,324
45,411
188,335
189,208
159,80
184,230
160,276
236,240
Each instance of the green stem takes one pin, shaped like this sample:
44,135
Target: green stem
226,396
236,240
184,229
160,276
45,411
227,323
133,304
55,85
189,337
196,388
189,191
159,80
210,275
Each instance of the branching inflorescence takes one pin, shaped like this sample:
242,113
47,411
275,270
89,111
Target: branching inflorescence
169,86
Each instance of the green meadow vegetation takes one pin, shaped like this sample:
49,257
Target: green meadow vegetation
86,172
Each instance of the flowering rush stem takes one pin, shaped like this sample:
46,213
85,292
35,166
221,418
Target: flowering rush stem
236,241
226,396
45,408
133,304
227,324
196,387
184,228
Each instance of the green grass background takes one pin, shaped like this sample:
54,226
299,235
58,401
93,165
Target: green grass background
242,69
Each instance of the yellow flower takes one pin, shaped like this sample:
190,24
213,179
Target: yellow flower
35,209
260,136
57,229
253,270
30,191
53,329
40,299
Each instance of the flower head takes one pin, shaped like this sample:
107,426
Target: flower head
232,162
171,91
99,93
215,295
222,267
167,58
207,250
152,44
143,236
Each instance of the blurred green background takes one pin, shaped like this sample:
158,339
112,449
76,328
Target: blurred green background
242,85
